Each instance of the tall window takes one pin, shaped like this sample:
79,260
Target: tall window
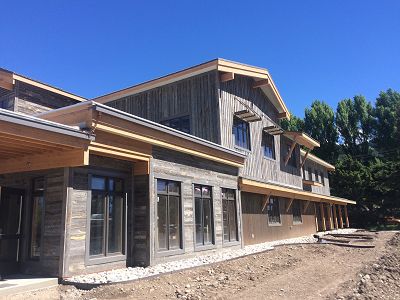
292,159
309,174
37,217
322,178
107,216
169,214
241,131
274,215
316,176
180,123
229,215
296,209
203,215
269,145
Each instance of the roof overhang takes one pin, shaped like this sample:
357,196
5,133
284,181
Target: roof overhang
251,186
119,131
318,160
302,139
8,79
28,144
221,65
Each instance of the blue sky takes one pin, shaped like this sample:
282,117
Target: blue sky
326,50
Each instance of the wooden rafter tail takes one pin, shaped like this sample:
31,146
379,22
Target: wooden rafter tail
260,83
290,204
228,76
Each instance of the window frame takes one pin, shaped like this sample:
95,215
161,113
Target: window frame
113,257
236,120
167,252
237,241
180,118
42,217
299,202
201,247
279,210
265,137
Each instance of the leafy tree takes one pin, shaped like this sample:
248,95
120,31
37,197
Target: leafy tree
294,124
319,122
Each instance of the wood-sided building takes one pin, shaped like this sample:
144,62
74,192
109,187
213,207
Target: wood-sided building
189,163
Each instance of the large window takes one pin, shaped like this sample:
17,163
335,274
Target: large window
169,215
229,215
296,209
203,215
269,145
107,216
241,131
274,215
180,123
37,217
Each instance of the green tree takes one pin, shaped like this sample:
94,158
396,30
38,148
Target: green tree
294,124
319,122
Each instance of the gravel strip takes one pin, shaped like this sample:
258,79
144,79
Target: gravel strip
128,274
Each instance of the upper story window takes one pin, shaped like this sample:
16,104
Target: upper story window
179,123
269,145
241,131
316,176
322,178
292,159
309,174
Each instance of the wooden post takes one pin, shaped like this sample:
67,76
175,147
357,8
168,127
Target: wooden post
322,216
329,207
335,216
316,217
346,217
340,216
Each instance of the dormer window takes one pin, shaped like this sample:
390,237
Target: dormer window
241,131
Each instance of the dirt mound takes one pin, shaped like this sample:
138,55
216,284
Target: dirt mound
379,280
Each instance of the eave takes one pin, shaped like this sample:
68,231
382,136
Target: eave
318,160
251,186
223,67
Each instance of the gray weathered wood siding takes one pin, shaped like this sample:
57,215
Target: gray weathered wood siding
237,95
325,189
48,264
255,221
195,96
189,170
32,100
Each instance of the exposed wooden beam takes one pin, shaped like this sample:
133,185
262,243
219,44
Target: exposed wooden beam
46,160
224,77
329,206
346,217
304,158
266,200
282,115
322,209
289,205
141,168
6,80
260,83
340,216
290,152
335,216
306,206
316,218
116,152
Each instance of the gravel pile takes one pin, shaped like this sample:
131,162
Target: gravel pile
128,274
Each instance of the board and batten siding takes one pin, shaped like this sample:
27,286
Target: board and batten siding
237,95
189,170
195,96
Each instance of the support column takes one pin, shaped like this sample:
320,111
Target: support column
329,207
346,217
316,216
322,216
340,216
335,216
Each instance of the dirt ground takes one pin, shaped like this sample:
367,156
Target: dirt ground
288,272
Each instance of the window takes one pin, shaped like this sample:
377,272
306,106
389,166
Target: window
180,123
296,209
269,145
322,178
203,215
274,215
37,217
107,216
229,215
292,159
241,131
169,215
316,176
309,174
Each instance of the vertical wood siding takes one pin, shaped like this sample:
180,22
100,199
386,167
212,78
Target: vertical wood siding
195,96
237,95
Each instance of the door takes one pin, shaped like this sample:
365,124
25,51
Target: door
11,201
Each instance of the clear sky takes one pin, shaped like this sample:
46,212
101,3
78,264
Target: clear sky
327,50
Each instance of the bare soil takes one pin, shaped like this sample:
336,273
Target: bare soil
288,272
